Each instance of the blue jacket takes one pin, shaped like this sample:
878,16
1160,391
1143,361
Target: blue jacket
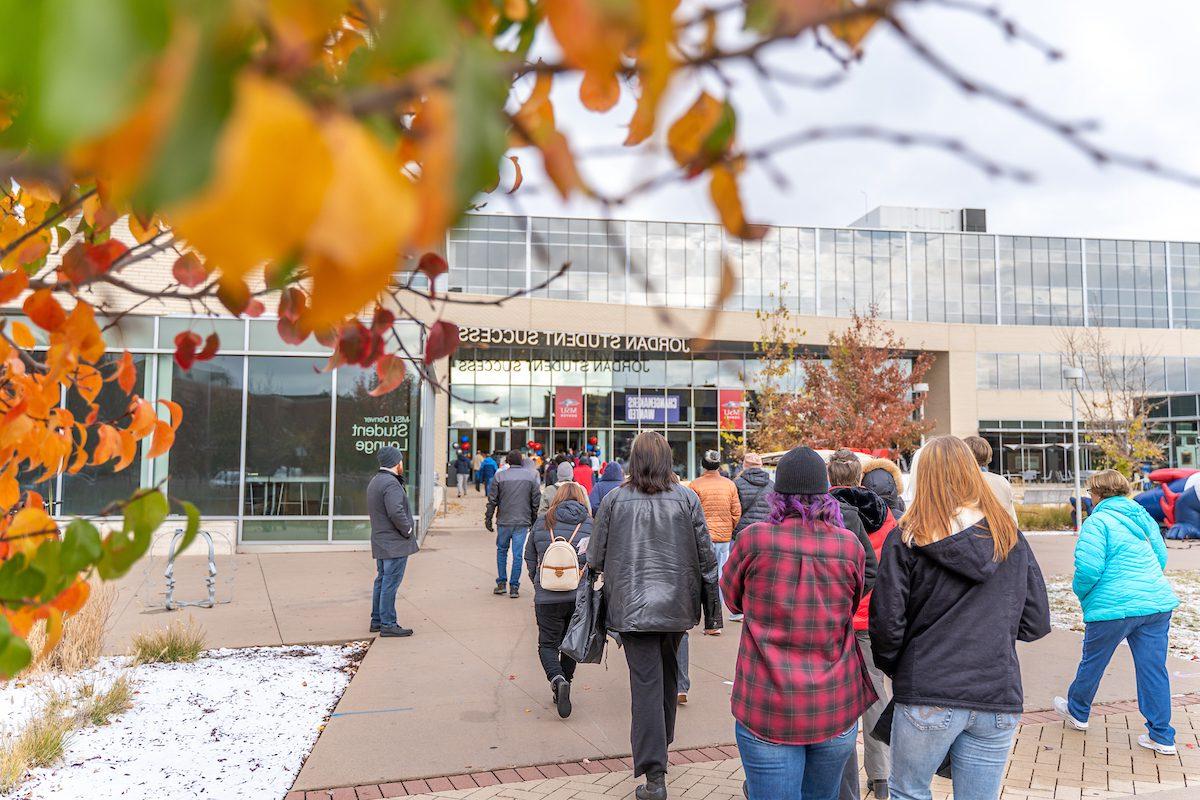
487,469
611,479
1119,563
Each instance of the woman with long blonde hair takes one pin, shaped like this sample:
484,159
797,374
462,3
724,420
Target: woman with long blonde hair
958,586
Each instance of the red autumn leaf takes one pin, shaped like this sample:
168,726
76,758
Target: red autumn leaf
391,371
44,310
327,337
381,323
12,285
292,304
442,340
102,256
210,348
126,374
186,345
189,271
290,331
354,344
432,265
254,308
520,178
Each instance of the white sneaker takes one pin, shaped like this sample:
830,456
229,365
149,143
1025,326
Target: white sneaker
1060,705
1163,749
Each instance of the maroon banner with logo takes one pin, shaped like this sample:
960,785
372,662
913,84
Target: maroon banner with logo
731,409
568,407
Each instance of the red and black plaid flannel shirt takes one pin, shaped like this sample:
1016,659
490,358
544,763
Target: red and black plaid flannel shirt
800,675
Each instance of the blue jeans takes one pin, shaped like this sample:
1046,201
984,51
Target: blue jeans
722,550
1147,637
978,743
388,574
794,771
506,536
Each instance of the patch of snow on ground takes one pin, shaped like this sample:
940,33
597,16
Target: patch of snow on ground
1184,641
237,723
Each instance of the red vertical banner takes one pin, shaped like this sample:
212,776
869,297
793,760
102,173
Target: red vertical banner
731,405
568,407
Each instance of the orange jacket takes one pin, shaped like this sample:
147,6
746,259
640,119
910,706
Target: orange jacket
719,499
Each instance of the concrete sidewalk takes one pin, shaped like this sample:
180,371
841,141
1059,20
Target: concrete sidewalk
467,693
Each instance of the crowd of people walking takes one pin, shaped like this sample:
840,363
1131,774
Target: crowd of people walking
868,601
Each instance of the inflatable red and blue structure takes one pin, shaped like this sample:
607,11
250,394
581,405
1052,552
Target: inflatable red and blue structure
1174,503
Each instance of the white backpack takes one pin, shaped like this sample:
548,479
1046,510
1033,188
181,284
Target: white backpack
560,571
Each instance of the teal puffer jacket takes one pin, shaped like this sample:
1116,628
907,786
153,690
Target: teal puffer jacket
1119,563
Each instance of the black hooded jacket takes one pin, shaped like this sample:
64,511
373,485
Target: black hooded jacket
883,483
945,619
753,485
853,522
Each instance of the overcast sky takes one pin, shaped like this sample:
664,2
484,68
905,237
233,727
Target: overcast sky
1129,67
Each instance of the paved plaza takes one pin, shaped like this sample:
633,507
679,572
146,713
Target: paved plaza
466,696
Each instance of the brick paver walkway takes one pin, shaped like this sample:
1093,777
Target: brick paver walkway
1048,761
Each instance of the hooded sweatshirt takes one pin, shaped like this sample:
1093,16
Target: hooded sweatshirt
611,478
882,476
1119,563
945,619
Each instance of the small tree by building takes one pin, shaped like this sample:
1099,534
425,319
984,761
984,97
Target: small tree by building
1115,399
859,393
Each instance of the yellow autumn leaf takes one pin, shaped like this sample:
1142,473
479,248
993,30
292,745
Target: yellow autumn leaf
368,218
655,65
852,28
723,189
272,169
304,24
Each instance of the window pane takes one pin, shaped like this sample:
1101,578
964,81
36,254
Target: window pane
364,425
204,464
93,488
287,437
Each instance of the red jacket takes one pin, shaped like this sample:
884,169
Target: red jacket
800,676
583,475
877,539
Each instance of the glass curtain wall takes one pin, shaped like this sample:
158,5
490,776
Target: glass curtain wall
304,438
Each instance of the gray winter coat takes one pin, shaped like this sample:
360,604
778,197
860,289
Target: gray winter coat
513,499
570,513
753,485
393,534
658,562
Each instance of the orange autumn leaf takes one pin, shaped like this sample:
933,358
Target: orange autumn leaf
391,371
29,528
44,310
73,598
88,382
164,437
271,172
142,418
599,91
12,284
21,335
10,489
53,631
686,136
126,374
143,232
726,197
128,450
108,445
592,39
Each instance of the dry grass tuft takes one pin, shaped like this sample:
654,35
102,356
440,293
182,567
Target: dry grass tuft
83,635
40,744
181,641
1043,518
100,708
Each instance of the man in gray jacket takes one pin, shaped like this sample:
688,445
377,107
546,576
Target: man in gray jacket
393,539
512,503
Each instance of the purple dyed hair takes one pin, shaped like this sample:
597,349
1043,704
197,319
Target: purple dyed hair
808,508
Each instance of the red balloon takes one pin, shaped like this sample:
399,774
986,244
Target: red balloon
593,440
531,444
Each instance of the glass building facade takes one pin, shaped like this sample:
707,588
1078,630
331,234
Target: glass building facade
271,439
923,276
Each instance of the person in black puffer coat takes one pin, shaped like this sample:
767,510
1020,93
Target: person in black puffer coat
883,477
567,517
852,521
754,484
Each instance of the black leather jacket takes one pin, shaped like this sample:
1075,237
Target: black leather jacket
657,559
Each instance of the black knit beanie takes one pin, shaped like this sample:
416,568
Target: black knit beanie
802,471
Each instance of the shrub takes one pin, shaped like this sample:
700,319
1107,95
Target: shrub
181,641
1043,518
40,744
99,708
83,635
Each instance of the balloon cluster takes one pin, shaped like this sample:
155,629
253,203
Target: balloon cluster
534,446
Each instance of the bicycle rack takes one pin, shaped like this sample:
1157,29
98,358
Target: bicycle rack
210,581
